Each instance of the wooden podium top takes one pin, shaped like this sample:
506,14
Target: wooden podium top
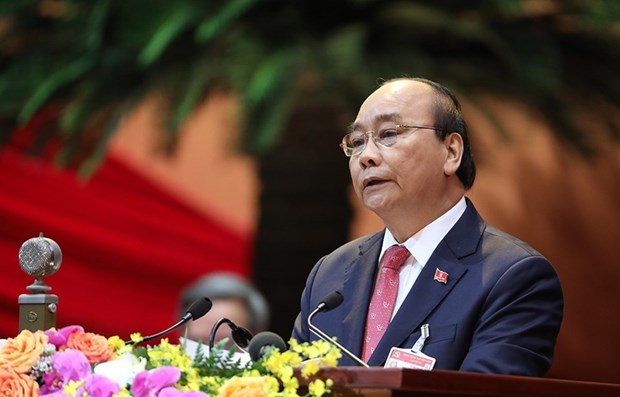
408,382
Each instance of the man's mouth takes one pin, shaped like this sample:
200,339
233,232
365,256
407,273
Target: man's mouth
374,182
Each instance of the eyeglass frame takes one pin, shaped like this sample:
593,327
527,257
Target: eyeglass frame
373,134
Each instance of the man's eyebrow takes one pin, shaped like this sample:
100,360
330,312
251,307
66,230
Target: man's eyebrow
394,117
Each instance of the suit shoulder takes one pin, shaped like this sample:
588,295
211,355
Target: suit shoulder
509,243
348,252
354,247
503,252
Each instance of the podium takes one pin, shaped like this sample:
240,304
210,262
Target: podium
399,382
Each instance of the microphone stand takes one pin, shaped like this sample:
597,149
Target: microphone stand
162,333
328,339
240,335
199,308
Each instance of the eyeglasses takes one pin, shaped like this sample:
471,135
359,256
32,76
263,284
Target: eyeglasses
355,142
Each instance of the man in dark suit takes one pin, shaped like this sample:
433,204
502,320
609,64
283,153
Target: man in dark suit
489,301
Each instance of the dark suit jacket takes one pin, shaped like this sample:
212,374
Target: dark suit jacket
499,312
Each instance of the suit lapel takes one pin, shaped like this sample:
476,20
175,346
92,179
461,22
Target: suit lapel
358,283
424,296
462,240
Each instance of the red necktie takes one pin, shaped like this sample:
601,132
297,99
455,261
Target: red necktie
383,298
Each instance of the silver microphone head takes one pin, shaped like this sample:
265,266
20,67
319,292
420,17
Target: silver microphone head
40,257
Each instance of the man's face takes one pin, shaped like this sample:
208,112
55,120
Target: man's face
408,176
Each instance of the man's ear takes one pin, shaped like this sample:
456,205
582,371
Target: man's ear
454,147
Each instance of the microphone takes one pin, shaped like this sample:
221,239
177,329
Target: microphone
199,308
263,343
39,257
241,336
331,301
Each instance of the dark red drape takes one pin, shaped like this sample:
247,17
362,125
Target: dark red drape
128,246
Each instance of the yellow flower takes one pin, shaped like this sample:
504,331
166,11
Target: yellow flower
290,385
136,337
166,354
192,379
317,387
211,382
310,368
71,387
249,386
117,342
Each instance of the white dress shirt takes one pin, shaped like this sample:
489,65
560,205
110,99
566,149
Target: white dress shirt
421,246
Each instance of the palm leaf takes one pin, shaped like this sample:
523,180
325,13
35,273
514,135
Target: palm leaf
271,54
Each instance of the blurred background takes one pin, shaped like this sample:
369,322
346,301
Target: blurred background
156,141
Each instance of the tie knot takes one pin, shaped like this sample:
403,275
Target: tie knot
395,256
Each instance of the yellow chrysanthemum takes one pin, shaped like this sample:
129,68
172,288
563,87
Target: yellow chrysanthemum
123,393
331,358
193,380
70,388
311,368
119,345
136,337
251,372
318,388
211,382
290,384
116,342
166,354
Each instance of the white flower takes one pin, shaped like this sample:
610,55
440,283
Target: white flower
122,370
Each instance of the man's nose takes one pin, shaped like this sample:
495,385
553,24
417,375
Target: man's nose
371,154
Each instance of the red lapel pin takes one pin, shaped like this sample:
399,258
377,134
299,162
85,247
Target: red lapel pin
441,276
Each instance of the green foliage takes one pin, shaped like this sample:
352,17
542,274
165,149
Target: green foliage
221,363
94,60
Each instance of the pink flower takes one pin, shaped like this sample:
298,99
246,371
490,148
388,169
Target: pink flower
59,337
99,386
150,383
66,366
172,392
94,386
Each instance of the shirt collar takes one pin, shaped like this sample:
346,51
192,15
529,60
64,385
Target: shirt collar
422,244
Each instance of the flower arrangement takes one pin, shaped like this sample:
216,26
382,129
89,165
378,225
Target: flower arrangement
72,362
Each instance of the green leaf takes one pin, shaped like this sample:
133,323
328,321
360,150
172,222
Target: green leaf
95,27
269,98
61,77
88,167
178,20
220,20
194,90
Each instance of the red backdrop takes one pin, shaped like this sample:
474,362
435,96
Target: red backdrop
128,246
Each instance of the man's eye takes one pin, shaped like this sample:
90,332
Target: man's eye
356,141
388,134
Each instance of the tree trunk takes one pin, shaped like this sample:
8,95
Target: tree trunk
304,208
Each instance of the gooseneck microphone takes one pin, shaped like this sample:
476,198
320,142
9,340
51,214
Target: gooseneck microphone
263,343
199,308
331,301
240,335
